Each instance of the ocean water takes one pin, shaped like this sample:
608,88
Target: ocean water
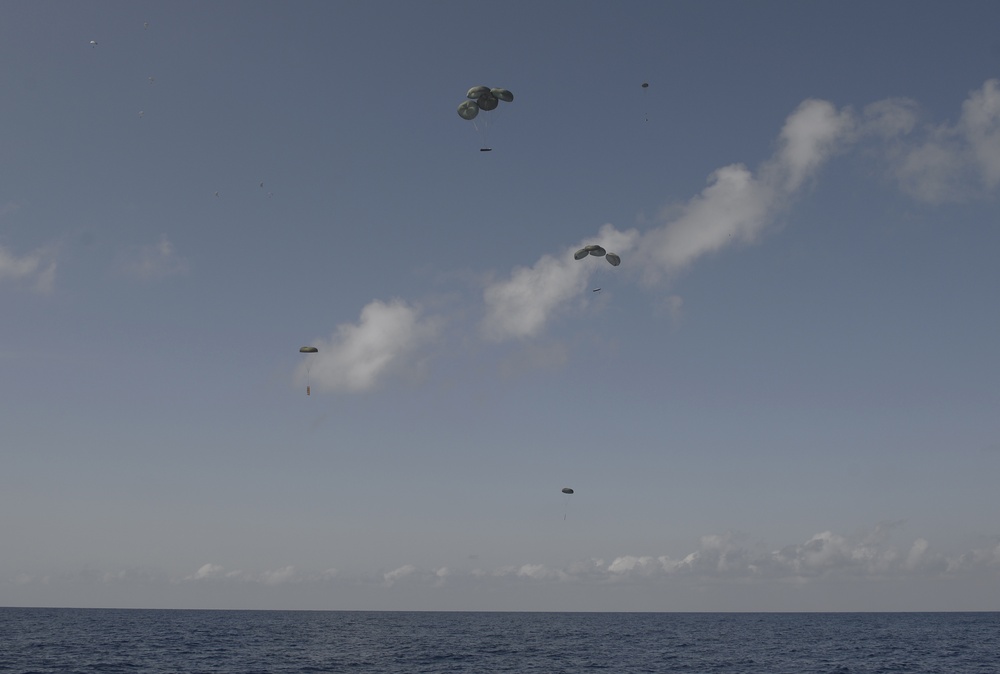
272,642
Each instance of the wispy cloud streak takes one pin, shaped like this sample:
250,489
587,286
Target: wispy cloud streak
37,269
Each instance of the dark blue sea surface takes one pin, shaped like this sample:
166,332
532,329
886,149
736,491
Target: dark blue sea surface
244,642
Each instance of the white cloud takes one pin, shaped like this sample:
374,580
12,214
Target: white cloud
286,574
37,269
738,204
279,576
981,125
208,571
522,305
402,572
869,555
954,162
890,118
359,355
976,560
735,207
810,136
630,564
153,261
724,565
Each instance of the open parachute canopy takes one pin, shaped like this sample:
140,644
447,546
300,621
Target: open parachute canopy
597,251
567,490
308,349
482,98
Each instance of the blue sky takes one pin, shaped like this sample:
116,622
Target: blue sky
784,398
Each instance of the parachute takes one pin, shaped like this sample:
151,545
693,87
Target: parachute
597,251
482,99
93,43
308,350
567,491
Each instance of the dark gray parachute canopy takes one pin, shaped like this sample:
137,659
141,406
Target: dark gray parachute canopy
476,92
592,249
483,99
503,94
468,110
567,490
308,349
487,102
597,251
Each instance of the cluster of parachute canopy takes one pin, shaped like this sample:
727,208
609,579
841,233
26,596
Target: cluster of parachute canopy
597,251
482,98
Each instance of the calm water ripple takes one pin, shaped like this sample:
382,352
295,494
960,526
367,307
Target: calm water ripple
44,641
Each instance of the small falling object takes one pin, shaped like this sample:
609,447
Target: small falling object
141,113
145,25
151,79
93,43
216,194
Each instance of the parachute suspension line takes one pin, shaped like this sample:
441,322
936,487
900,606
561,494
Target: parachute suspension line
483,127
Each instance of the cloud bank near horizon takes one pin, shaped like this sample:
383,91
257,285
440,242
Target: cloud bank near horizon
871,555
